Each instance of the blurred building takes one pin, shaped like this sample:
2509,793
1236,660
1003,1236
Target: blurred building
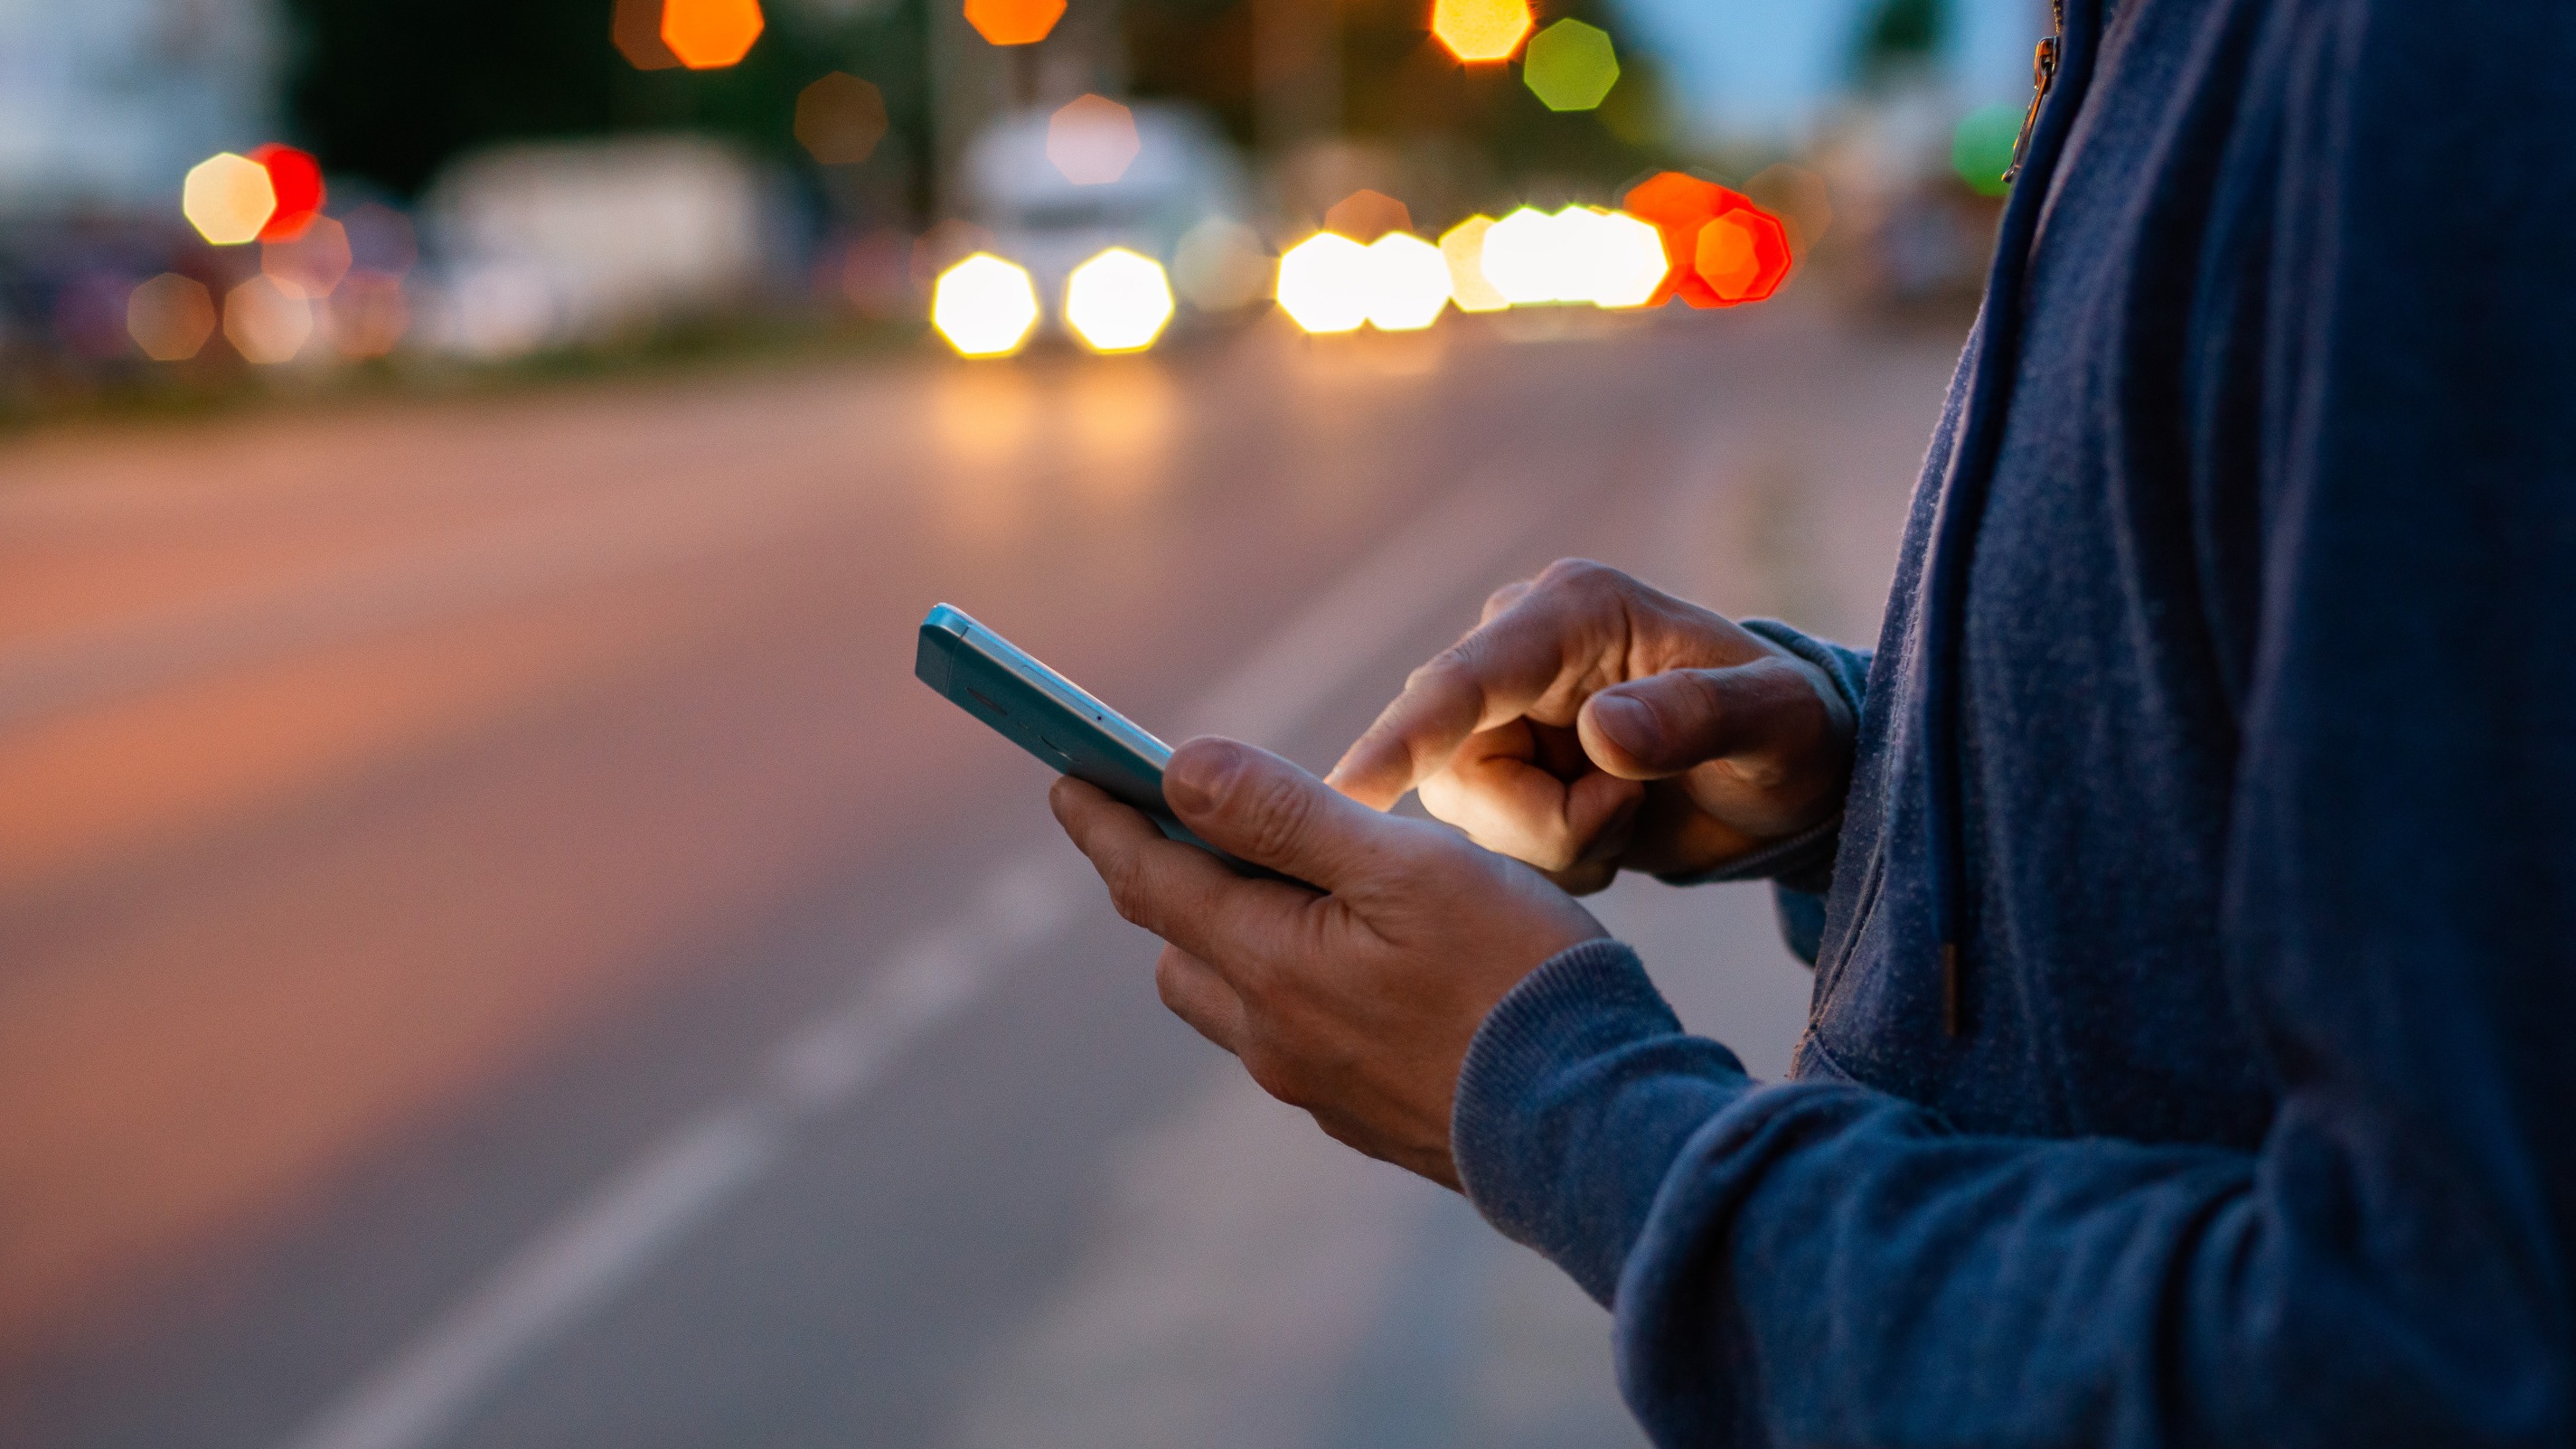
557,243
104,104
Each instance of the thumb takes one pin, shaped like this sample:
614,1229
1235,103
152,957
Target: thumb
1665,724
1251,803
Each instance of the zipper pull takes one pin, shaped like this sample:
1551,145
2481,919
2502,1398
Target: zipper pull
2043,73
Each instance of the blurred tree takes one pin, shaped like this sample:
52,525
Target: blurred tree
388,90
1900,38
1400,86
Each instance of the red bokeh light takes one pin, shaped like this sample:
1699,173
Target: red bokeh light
1745,261
297,179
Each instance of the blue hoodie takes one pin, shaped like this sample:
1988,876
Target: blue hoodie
2223,731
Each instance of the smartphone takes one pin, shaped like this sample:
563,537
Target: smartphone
1052,718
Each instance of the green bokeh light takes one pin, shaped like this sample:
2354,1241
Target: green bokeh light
1570,66
1982,147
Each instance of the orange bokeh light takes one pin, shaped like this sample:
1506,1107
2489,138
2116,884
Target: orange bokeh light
1481,30
840,119
1014,22
710,34
1744,261
1743,255
635,28
1365,215
170,317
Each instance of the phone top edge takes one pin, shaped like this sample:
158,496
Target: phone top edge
967,633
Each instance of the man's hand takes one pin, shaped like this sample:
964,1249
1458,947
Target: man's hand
1356,1005
1591,724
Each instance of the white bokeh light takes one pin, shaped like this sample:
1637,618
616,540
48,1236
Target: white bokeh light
984,306
1118,301
1324,283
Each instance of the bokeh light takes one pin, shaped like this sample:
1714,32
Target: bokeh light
228,198
1570,66
170,317
295,178
1462,247
1524,259
1683,207
1481,30
1366,215
1118,301
1743,255
984,306
1981,149
635,28
1014,22
367,315
1092,140
1580,254
1221,265
710,34
1324,283
840,119
264,324
1628,264
311,264
1408,283
1679,204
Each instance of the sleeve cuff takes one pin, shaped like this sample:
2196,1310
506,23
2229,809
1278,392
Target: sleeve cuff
1577,1095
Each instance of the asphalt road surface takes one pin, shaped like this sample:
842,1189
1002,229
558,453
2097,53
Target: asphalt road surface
496,949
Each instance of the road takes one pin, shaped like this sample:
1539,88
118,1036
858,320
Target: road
495,949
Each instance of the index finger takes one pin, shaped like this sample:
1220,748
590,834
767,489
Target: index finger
1503,669
1179,892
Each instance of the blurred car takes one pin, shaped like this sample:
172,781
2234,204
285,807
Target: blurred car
1184,181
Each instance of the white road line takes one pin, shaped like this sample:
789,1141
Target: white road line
626,1226
545,1287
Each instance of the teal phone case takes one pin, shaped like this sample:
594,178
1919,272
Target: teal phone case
1051,717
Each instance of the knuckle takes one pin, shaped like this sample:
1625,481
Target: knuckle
1171,982
1582,578
1127,892
1279,814
1455,664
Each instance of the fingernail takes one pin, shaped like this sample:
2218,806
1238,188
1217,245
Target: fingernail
1199,772
1627,721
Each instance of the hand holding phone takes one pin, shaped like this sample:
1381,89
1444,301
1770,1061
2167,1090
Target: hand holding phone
1052,718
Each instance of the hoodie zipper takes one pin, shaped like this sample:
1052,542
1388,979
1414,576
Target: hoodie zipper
1954,530
2043,74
